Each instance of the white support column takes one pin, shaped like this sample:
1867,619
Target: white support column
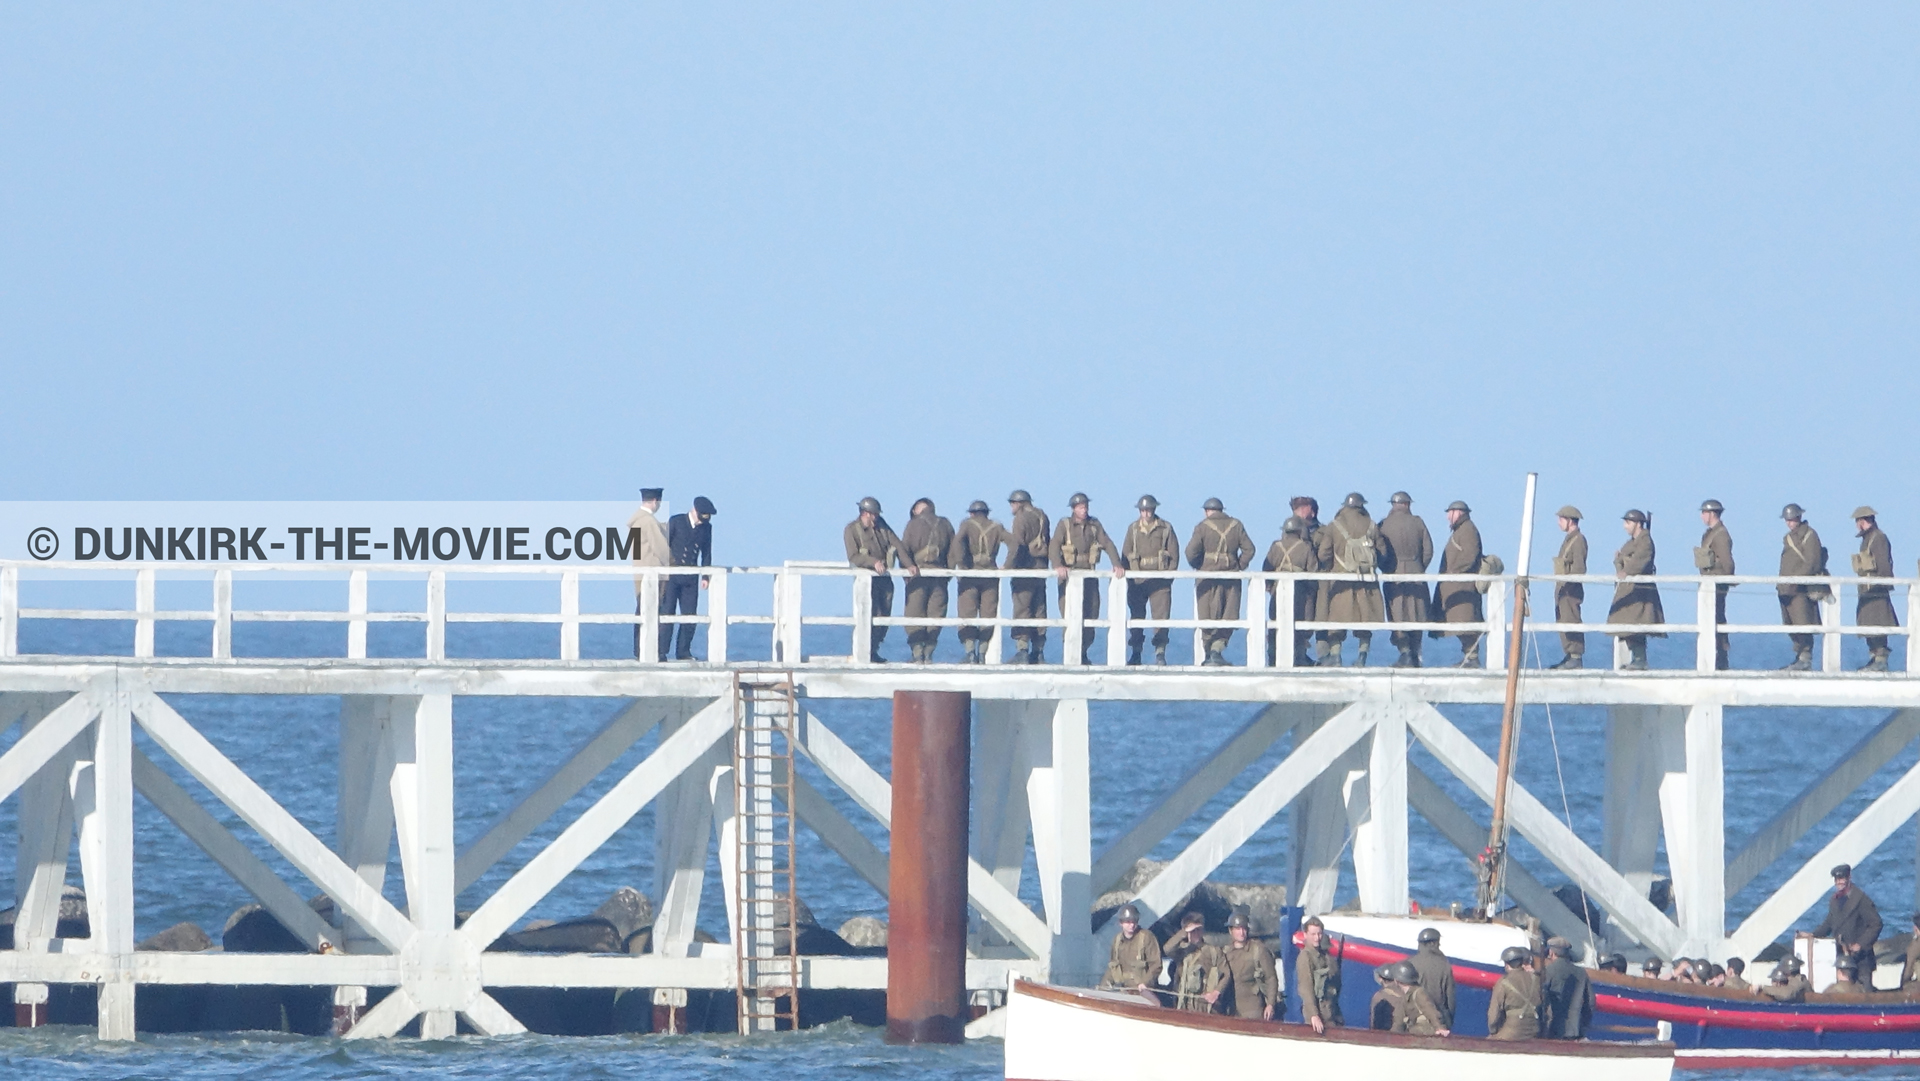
995,639
103,806
1117,616
222,614
372,732
143,589
1321,821
1380,836
1699,868
440,968
1283,632
683,828
862,644
1830,630
436,615
726,840
1913,644
1254,592
717,616
1001,763
569,615
1498,613
1073,609
1059,793
1705,652
787,598
1199,633
1630,834
357,607
45,823
647,648
9,611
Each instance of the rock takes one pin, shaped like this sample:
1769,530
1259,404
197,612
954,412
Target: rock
588,934
1261,904
252,929
628,910
180,938
864,932
1215,901
71,923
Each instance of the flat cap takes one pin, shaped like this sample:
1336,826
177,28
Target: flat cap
1078,499
1843,870
1570,511
1558,943
1461,505
1713,505
651,493
1792,512
978,506
1146,502
870,504
704,505
1213,504
1019,496
1865,512
1401,497
1635,516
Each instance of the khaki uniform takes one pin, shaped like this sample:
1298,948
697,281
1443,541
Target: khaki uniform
1801,556
1218,544
1077,546
1513,1010
1636,602
1436,979
1733,983
1348,602
1384,1008
650,551
1408,550
1419,1014
1848,989
1028,548
1460,602
976,546
1133,962
1875,607
867,546
1910,972
1794,990
1151,545
1291,554
1853,920
1316,978
930,538
1568,996
1198,970
1714,558
1569,596
1255,984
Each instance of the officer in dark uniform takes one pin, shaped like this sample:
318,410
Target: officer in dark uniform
1568,993
1852,920
689,544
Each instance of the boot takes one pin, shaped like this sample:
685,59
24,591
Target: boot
1720,662
1086,655
1802,661
1039,654
1636,657
1160,656
1877,664
876,658
1022,653
1329,655
1571,660
1216,654
1133,654
1413,654
1360,654
1470,658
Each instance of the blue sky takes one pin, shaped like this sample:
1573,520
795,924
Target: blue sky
790,255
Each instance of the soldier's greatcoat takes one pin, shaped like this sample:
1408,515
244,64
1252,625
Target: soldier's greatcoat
1408,549
876,544
1436,979
1348,602
1460,601
1569,1000
976,546
1853,920
1218,543
1636,602
1028,549
1876,602
929,537
1801,557
1569,596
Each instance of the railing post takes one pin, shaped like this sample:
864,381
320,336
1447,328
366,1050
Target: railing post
357,606
1199,633
222,614
143,612
787,597
10,611
862,617
1283,631
1913,639
1497,630
1255,593
1704,653
1830,634
717,616
569,615
1117,616
1073,609
993,632
647,648
436,615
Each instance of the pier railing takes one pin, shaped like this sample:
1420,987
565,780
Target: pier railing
808,595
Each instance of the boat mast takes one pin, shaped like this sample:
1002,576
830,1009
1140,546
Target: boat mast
1496,850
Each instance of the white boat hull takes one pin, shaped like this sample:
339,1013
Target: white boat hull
1059,1035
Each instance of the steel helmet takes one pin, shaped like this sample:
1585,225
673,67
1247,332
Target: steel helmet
1128,914
1147,502
1713,505
1401,499
1383,974
1294,525
1077,499
1792,512
870,505
1404,972
1355,500
1019,496
1428,934
1213,504
1238,919
1515,955
978,506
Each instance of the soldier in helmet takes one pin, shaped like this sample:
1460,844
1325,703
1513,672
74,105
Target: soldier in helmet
1028,548
1256,987
1419,1014
1219,543
1513,1010
1568,993
1636,602
871,544
1459,602
1407,549
1383,1009
1134,962
1077,545
1436,974
1875,603
1316,977
929,538
1714,558
1293,554
1350,544
1150,544
976,546
1801,556
1568,596
1199,971
1307,509
1846,979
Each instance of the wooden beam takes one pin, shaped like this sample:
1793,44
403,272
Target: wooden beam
39,744
387,1017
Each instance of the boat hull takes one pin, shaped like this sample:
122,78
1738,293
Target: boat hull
1055,1034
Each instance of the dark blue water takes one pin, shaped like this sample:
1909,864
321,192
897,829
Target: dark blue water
1140,751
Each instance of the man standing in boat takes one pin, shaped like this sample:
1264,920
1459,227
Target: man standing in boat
1513,1010
1199,972
1436,974
1636,602
1852,920
1134,963
1419,1014
1568,596
1568,993
1316,977
1256,987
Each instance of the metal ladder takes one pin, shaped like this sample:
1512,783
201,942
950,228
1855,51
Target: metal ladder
765,948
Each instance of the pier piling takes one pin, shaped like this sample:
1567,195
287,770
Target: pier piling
927,882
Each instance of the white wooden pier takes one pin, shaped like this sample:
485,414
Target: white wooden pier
76,766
